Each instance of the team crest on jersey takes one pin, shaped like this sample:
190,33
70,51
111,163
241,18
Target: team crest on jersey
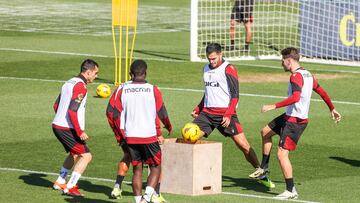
79,98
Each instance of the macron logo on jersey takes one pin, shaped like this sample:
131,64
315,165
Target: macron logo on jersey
212,84
137,89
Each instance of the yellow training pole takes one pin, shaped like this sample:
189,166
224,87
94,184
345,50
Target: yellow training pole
124,16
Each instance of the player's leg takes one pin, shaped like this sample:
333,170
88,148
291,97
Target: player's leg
272,128
152,157
232,34
248,34
203,120
137,181
289,138
60,182
249,153
123,167
286,167
79,167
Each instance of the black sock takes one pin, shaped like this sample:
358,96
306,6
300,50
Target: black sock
232,42
265,161
289,184
119,180
247,45
157,189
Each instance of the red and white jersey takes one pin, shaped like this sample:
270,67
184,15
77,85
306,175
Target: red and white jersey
142,109
216,87
300,109
73,90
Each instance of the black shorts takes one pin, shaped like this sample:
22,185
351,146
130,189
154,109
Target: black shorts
71,142
289,132
242,12
208,122
145,153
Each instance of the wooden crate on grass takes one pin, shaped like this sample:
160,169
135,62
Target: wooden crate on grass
191,169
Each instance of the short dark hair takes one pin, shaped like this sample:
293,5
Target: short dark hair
291,52
213,47
88,64
138,67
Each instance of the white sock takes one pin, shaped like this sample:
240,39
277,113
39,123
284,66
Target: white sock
137,199
62,175
75,176
148,193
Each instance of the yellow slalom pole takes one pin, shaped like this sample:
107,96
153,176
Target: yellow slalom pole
133,42
115,55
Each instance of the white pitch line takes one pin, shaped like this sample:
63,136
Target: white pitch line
158,59
129,183
265,197
83,54
183,90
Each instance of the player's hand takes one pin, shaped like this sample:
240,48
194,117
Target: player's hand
84,136
194,114
336,116
267,108
225,122
161,139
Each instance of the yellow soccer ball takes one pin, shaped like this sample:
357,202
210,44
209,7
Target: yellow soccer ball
191,132
103,90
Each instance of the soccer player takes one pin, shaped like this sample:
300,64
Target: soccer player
69,127
241,13
217,108
112,115
141,108
293,122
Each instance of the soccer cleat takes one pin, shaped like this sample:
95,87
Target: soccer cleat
74,191
116,193
259,172
59,186
288,195
266,181
158,199
143,200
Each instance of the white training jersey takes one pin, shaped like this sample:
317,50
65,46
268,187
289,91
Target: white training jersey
62,117
300,109
217,93
139,110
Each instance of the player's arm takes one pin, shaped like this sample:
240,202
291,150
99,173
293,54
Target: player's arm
323,94
56,104
233,84
79,92
112,114
161,110
198,108
118,109
297,83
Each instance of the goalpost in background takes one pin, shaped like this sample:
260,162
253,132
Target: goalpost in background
325,31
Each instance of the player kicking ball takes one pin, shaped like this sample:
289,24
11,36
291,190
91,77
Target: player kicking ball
293,122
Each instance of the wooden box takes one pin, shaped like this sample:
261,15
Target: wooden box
191,169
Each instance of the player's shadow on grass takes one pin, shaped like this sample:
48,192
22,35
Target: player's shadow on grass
161,54
351,162
84,199
246,184
36,179
90,187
